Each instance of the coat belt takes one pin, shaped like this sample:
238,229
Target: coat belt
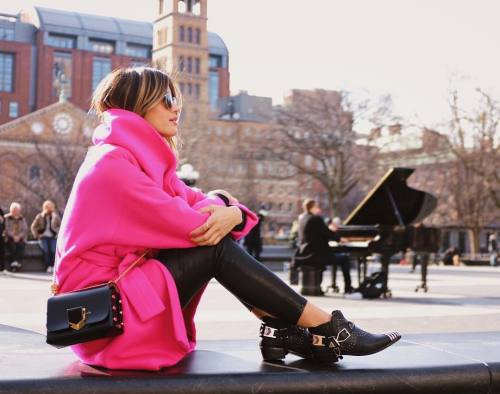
135,285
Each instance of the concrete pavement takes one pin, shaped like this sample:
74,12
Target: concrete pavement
460,299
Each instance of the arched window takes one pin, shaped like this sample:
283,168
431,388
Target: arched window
190,34
181,63
196,7
182,7
197,65
190,65
182,33
198,36
197,90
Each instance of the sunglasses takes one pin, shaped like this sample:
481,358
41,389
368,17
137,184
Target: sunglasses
170,100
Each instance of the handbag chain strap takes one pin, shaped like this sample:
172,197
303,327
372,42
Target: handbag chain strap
54,288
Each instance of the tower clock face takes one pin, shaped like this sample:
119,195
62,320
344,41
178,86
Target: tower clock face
62,123
37,128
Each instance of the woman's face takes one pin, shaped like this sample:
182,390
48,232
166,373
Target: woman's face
163,118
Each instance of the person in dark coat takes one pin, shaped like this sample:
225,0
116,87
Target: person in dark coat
253,240
313,238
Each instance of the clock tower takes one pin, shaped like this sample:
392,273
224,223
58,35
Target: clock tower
180,47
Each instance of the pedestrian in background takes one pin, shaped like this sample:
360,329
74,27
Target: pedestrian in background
45,228
253,240
16,231
493,249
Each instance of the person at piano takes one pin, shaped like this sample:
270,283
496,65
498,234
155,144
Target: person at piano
313,238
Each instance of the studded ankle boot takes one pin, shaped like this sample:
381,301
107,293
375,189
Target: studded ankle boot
280,338
338,337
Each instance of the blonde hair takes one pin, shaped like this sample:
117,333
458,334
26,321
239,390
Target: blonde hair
46,203
135,89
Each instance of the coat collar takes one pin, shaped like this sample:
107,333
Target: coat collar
131,131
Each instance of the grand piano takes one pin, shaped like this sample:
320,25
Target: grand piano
388,221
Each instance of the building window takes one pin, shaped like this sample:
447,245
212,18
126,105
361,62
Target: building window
7,33
182,33
191,6
101,46
101,66
6,72
215,61
213,89
61,41
197,65
197,90
190,65
13,109
35,173
198,36
182,8
196,7
138,50
190,88
190,34
183,87
181,63
62,67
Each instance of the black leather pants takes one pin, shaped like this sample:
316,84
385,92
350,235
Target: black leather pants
249,280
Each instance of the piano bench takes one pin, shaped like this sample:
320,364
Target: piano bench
310,279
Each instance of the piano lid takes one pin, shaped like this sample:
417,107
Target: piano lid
393,202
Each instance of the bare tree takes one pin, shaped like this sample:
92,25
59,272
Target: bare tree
472,135
314,136
51,169
465,163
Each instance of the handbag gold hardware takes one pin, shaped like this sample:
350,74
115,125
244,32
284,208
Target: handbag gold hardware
81,323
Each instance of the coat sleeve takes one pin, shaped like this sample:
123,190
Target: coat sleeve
35,226
323,231
198,199
24,229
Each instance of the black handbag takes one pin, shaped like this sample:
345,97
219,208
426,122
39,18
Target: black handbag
84,315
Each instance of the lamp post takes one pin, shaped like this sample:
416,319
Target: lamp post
188,175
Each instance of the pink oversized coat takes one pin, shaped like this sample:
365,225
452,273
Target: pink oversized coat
127,198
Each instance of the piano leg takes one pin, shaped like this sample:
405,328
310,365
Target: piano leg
424,262
385,259
360,262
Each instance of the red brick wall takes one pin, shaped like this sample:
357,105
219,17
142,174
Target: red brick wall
22,62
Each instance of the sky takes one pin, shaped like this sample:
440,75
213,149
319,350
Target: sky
412,50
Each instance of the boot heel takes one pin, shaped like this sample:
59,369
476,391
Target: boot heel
273,353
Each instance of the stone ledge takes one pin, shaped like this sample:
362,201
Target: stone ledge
441,363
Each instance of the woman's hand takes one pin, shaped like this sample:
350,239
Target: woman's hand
220,223
232,199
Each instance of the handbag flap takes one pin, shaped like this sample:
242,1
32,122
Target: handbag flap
96,300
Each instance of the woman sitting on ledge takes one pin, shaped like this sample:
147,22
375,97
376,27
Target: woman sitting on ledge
127,198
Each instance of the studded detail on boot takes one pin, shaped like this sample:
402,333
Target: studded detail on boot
338,337
279,338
